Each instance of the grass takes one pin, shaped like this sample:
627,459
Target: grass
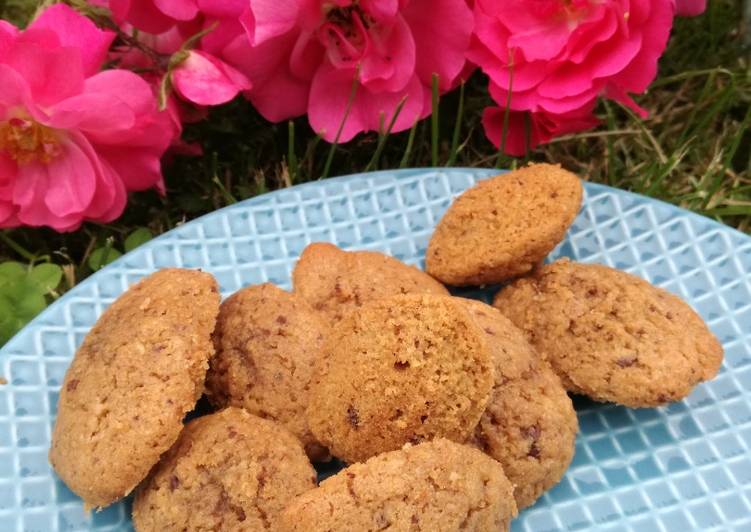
694,150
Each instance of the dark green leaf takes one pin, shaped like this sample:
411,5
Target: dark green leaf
8,319
136,238
31,304
45,277
19,304
100,257
11,272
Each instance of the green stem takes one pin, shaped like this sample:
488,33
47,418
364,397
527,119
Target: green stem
291,155
457,128
383,137
18,248
527,136
506,113
347,110
410,143
434,122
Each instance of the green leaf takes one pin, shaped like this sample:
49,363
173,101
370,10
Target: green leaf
100,257
45,277
19,304
28,302
8,320
136,238
11,272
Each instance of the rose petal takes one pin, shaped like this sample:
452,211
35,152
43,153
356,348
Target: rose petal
204,80
127,86
29,194
272,18
144,15
72,181
178,9
690,8
380,10
330,95
79,32
222,8
440,47
276,93
110,196
92,111
51,74
391,68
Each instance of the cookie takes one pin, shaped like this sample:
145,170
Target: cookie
529,425
432,487
335,281
266,343
139,371
611,335
402,369
503,226
227,471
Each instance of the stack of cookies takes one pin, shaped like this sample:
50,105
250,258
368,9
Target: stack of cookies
452,414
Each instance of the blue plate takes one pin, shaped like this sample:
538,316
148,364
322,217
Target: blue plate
682,467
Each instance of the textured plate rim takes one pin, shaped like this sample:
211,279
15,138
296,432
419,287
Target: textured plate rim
397,173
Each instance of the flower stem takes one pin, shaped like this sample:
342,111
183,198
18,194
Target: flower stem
410,143
15,246
291,155
457,128
434,122
350,102
383,137
506,113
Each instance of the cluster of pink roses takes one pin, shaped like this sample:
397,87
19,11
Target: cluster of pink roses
75,139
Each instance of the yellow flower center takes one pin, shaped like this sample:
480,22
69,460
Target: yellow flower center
27,141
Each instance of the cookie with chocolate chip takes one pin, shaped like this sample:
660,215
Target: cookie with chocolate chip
138,372
334,281
227,471
611,335
504,226
529,425
267,341
433,486
402,369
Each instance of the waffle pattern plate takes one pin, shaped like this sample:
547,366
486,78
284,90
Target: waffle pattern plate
682,467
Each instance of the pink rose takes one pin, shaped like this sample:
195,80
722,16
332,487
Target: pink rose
165,26
543,126
565,53
203,79
73,140
690,8
303,56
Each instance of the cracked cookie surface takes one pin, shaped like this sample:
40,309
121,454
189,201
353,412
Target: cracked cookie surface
403,369
431,487
266,342
334,281
611,335
529,425
503,226
138,372
227,471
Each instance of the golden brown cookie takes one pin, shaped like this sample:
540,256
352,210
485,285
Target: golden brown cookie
432,487
227,471
139,371
503,226
611,335
335,281
402,369
529,425
266,343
